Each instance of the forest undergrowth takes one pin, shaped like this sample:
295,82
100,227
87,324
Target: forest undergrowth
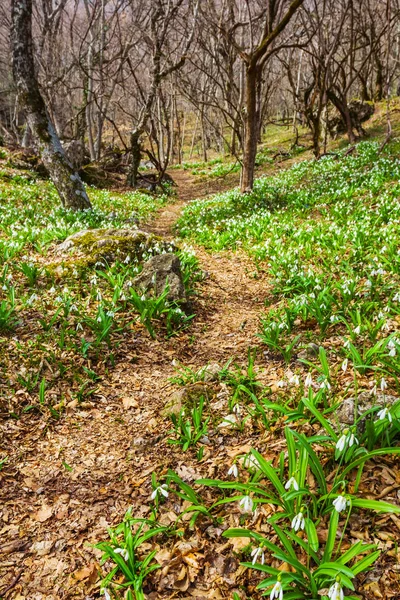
240,446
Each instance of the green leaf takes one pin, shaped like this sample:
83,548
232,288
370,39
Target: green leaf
330,542
314,462
358,548
377,505
319,416
268,470
311,534
365,562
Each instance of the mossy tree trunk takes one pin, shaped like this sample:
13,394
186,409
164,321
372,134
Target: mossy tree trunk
66,180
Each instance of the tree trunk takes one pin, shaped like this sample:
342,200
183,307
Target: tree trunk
343,108
67,182
136,156
250,135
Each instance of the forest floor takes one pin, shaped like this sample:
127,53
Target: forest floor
66,480
111,444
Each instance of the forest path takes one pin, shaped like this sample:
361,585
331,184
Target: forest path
72,478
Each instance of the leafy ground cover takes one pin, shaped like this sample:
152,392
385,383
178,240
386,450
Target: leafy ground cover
219,459
73,320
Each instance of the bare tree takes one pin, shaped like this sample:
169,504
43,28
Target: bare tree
67,182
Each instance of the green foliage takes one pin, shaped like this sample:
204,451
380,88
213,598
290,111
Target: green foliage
124,551
189,429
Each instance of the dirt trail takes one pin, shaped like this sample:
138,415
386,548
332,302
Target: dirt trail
68,480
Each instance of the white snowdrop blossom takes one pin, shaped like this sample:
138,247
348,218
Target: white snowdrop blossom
246,504
233,470
236,409
277,591
357,330
295,379
346,439
325,385
250,462
107,595
383,413
255,553
292,482
308,381
340,503
123,552
298,522
383,384
344,365
160,490
336,591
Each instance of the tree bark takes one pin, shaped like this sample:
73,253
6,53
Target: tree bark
250,134
67,182
136,157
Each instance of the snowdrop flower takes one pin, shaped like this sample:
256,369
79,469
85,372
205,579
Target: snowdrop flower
344,365
106,595
246,504
123,552
357,330
277,591
346,344
255,554
383,413
233,470
340,503
292,482
383,384
236,409
308,381
325,385
52,290
79,327
392,346
347,439
298,522
160,490
250,462
295,379
127,259
336,591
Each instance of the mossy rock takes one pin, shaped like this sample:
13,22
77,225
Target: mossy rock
111,245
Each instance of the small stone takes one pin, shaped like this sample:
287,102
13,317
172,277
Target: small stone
365,401
159,271
211,372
